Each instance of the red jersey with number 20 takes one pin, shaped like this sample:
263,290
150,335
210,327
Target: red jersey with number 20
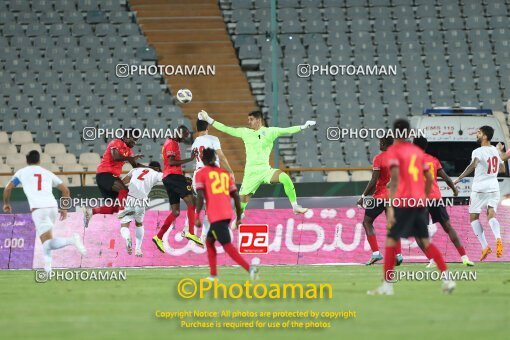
171,148
108,164
410,160
434,166
217,184
380,163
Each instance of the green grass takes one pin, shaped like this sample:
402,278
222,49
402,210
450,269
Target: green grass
126,309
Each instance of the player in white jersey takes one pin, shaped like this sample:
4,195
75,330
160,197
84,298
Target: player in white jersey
486,162
206,141
141,181
37,185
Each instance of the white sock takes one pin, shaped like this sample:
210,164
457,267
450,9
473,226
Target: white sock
477,228
294,204
205,228
376,253
494,223
125,233
60,242
139,231
47,255
464,258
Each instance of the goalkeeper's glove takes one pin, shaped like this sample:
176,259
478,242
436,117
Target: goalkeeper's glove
202,115
308,124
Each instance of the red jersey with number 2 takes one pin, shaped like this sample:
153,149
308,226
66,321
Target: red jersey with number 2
434,166
410,160
217,184
380,163
107,163
171,148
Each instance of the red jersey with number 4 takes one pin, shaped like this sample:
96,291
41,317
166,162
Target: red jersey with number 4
410,160
434,166
107,163
217,184
171,148
380,163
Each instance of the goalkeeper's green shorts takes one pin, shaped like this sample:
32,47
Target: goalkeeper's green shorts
254,179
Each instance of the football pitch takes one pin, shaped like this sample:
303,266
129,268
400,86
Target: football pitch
127,309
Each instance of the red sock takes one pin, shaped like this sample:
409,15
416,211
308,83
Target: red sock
211,255
372,240
461,251
122,198
389,263
398,248
106,210
232,252
168,222
191,219
433,253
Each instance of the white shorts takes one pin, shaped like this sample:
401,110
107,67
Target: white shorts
44,219
139,211
482,200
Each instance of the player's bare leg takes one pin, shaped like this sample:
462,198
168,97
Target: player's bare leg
496,230
244,202
478,230
281,177
368,225
190,235
452,234
126,235
139,232
49,243
175,211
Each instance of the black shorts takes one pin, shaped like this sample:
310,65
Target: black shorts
377,210
439,214
105,182
410,222
177,187
219,231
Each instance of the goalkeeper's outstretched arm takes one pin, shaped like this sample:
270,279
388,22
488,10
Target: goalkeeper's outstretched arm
235,132
293,129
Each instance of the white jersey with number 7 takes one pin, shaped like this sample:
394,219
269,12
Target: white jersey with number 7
37,185
486,172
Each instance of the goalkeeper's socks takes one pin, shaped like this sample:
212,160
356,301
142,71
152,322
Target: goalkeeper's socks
288,186
232,252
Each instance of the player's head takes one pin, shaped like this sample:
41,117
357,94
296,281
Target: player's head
155,166
401,128
33,157
255,120
202,125
421,142
385,143
129,137
485,133
209,156
182,133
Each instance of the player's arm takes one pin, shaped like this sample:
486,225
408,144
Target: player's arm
504,155
235,132
370,186
428,181
176,162
470,168
117,156
441,173
126,179
65,194
392,189
502,167
278,132
7,196
224,161
237,202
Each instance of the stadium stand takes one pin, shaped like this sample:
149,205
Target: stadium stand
448,53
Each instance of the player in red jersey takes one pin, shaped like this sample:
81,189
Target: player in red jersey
118,151
410,183
437,210
177,187
377,187
217,186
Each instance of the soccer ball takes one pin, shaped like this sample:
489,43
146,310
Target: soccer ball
184,96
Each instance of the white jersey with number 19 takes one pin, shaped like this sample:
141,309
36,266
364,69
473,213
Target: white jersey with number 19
37,185
205,142
486,172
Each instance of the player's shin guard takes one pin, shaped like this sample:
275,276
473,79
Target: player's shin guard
477,228
496,230
211,255
122,198
139,231
232,252
398,247
461,250
191,219
372,241
389,263
168,222
433,253
288,186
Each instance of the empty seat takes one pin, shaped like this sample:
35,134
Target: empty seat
8,149
21,137
26,148
337,176
54,149
65,158
15,160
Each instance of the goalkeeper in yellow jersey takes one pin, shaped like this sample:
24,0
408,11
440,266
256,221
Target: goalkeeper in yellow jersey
258,142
